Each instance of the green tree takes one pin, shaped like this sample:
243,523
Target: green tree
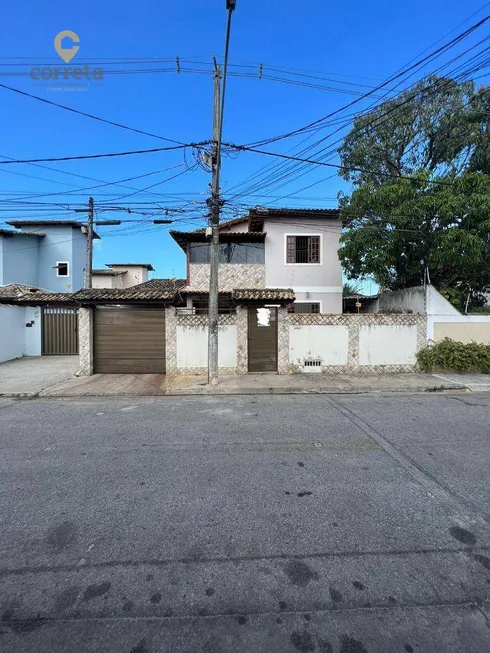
420,169
432,126
397,230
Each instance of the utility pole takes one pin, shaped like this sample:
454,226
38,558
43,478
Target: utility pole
90,237
218,112
90,241
214,245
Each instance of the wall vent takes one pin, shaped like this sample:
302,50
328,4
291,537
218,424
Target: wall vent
312,365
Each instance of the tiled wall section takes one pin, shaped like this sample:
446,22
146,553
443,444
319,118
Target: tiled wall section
354,323
85,341
173,319
230,276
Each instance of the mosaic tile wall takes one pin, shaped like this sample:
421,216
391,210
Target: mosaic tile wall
173,319
230,276
354,323
85,341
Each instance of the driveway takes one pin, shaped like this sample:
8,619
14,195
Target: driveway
268,524
29,376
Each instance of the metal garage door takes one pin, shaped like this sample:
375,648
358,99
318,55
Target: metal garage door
129,340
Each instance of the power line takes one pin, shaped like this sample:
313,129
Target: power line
89,115
110,154
417,64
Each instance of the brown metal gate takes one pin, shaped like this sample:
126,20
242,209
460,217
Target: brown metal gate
262,339
59,331
129,340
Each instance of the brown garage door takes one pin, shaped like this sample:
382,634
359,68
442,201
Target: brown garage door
129,340
262,339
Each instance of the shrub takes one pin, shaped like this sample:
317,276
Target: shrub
455,356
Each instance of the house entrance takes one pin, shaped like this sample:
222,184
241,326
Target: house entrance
262,339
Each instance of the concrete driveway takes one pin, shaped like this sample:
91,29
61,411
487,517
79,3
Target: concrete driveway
29,376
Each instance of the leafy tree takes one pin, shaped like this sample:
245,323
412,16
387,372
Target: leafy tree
399,229
420,169
431,126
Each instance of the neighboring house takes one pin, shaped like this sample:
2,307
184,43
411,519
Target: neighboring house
48,254
271,249
121,275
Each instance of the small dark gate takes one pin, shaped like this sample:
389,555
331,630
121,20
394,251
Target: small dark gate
262,339
59,331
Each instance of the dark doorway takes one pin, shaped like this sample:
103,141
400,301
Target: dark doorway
262,339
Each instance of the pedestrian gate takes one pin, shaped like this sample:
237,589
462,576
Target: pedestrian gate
59,331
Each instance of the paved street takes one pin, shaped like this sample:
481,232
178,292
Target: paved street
266,524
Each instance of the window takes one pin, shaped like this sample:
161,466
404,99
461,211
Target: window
252,253
62,269
303,249
304,307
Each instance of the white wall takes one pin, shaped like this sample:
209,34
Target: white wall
33,333
461,328
192,346
387,345
329,343
16,339
439,305
12,339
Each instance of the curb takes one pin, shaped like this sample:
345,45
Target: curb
204,392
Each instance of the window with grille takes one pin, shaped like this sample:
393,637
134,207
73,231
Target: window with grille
303,249
304,307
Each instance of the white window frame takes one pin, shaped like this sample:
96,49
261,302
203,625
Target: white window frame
63,276
309,301
303,265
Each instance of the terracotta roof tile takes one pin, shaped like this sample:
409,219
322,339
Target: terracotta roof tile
162,284
122,294
263,294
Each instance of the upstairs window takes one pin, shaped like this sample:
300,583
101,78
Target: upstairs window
303,249
229,253
62,269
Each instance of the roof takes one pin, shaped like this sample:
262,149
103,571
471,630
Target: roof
162,284
184,237
14,290
257,215
11,232
49,223
31,295
148,266
109,273
263,294
46,297
231,223
123,294
360,297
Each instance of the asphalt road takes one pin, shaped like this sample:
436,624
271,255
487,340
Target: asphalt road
354,524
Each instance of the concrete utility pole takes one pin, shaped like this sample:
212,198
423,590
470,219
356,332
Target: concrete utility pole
215,206
90,241
214,245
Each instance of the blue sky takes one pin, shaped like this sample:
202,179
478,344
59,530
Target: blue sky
353,44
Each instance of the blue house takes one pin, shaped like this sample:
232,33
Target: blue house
49,254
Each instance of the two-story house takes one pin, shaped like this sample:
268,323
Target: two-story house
48,254
271,248
121,275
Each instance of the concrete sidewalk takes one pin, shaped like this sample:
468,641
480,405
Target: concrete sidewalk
27,377
120,385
